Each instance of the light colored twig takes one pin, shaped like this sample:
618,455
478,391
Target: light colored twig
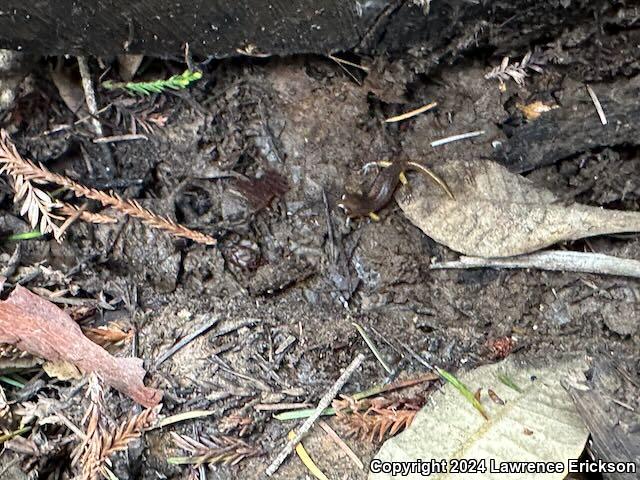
325,401
347,62
341,443
596,103
89,94
411,113
275,407
121,138
455,138
67,209
560,260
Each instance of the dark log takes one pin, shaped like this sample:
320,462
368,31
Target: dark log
221,28
576,128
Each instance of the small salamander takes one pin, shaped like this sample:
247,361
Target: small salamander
385,184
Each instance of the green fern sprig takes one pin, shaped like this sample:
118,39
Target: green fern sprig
176,82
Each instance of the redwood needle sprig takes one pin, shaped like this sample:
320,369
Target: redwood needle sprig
176,82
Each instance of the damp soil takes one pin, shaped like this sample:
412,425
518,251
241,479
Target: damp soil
286,281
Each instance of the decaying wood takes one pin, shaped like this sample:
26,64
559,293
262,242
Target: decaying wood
575,128
614,438
557,260
497,213
222,28
39,327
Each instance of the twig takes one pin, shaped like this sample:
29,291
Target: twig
121,138
370,392
325,401
596,103
347,62
185,341
72,218
343,446
411,113
559,261
274,407
70,210
455,138
89,94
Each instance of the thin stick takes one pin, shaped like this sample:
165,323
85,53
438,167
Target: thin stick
343,446
347,62
274,407
560,261
411,113
16,166
121,138
596,103
89,94
185,341
325,401
455,138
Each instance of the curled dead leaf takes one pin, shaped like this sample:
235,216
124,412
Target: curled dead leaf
533,110
497,213
39,327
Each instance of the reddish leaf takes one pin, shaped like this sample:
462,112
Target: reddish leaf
39,327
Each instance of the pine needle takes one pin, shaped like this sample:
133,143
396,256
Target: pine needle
32,235
306,459
176,82
464,390
509,383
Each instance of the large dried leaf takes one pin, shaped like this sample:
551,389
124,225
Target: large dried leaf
39,327
497,213
539,423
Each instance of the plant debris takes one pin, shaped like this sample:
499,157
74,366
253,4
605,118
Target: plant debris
176,82
372,419
223,450
39,206
39,327
261,191
100,441
497,213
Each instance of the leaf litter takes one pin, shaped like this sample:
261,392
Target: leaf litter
39,327
537,423
497,213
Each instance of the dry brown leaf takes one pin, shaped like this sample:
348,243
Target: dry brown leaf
62,370
128,66
70,91
535,109
39,327
497,213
